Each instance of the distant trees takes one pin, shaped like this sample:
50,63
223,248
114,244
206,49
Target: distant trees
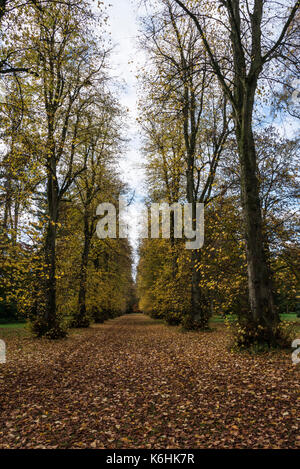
99,182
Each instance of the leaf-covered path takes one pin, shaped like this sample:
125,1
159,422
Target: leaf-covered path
136,383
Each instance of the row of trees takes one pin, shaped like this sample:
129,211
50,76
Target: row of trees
213,71
61,140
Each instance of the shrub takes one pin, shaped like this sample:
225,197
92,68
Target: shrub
39,328
258,338
173,318
79,322
189,323
102,315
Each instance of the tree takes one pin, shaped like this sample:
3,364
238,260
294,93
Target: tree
61,128
8,8
238,68
69,68
187,100
98,182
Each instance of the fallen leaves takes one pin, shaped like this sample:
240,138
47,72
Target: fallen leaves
135,383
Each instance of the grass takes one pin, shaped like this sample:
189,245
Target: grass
291,317
16,329
13,325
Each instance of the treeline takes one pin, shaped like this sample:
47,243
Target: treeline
62,137
216,77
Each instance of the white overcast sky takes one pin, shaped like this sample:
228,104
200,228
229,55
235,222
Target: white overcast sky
126,61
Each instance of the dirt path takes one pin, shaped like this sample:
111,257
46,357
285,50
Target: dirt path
136,383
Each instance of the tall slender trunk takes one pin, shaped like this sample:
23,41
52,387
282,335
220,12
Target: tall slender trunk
7,204
198,316
259,276
81,319
173,246
16,221
49,316
200,313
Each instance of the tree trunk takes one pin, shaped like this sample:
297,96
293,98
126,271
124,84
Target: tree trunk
173,246
81,319
50,254
200,313
198,316
259,276
50,324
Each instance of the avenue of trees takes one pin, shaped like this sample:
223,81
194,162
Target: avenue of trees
62,136
215,93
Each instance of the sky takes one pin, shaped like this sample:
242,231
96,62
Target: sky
126,61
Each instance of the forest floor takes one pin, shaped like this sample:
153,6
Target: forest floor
137,383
